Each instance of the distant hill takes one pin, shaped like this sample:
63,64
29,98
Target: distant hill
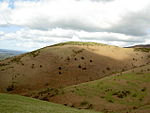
140,46
4,53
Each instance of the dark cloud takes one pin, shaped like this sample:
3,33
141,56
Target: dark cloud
136,24
42,23
133,23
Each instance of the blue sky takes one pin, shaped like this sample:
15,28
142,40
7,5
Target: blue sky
10,28
31,24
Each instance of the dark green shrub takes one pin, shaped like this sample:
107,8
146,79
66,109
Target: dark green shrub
10,88
108,68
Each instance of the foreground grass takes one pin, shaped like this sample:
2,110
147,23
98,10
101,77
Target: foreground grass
19,104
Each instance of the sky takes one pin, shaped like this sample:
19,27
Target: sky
27,25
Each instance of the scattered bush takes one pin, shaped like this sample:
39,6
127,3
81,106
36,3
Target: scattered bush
103,71
122,94
82,58
143,89
3,64
22,64
16,59
108,68
45,99
79,66
46,84
10,88
78,51
140,99
84,68
84,103
32,66
2,69
34,53
111,101
123,70
59,68
68,58
134,95
65,104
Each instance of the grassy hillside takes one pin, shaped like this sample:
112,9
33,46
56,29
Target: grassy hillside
123,92
19,104
83,75
70,64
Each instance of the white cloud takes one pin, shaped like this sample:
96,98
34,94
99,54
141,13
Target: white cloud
37,38
73,14
117,22
5,13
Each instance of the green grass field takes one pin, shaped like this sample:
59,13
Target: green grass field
117,89
129,89
19,104
126,91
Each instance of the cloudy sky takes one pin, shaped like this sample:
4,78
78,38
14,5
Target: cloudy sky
31,24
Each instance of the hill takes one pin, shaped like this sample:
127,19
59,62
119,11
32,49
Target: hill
83,75
19,104
66,64
141,46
